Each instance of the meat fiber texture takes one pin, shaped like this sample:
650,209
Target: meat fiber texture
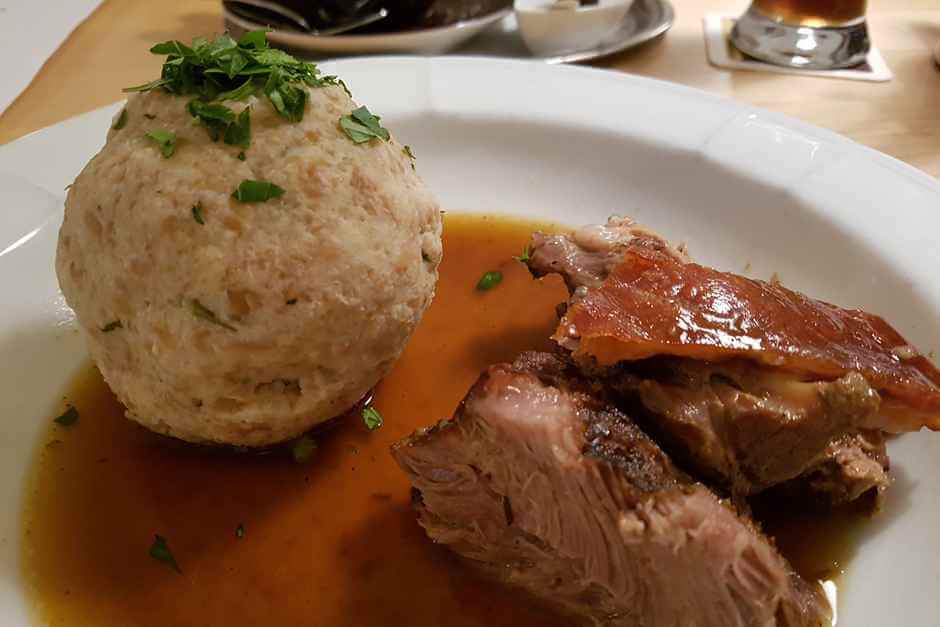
551,489
267,318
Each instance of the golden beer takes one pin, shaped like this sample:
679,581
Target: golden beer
814,13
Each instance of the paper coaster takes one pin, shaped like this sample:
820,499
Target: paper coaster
722,53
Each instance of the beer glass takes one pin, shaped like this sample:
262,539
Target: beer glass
812,34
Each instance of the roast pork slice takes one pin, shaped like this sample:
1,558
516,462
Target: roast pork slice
755,372
545,485
738,425
652,303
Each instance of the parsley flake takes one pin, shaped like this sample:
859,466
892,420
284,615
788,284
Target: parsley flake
215,117
239,93
165,140
256,191
112,326
240,531
241,156
410,154
201,311
303,449
361,126
160,551
525,256
256,39
372,418
239,132
121,121
335,80
489,280
197,213
288,100
68,418
160,82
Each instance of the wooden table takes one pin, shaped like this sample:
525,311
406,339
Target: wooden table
901,118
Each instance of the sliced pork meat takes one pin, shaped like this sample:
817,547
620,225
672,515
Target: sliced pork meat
743,427
547,486
654,304
747,382
852,466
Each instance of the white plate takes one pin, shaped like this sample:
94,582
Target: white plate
423,41
744,188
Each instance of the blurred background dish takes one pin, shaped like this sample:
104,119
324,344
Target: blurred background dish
645,20
416,26
551,27
279,16
491,34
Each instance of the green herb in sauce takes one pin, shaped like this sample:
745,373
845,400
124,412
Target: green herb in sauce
489,280
160,551
68,418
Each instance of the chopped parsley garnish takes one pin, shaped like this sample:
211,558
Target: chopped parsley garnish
201,311
225,69
220,121
411,155
372,418
147,86
489,280
335,80
241,92
121,121
525,256
68,418
165,140
257,191
361,126
289,100
160,551
241,155
303,449
239,133
112,326
197,213
254,39
215,117
240,531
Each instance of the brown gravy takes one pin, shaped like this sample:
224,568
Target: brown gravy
329,542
